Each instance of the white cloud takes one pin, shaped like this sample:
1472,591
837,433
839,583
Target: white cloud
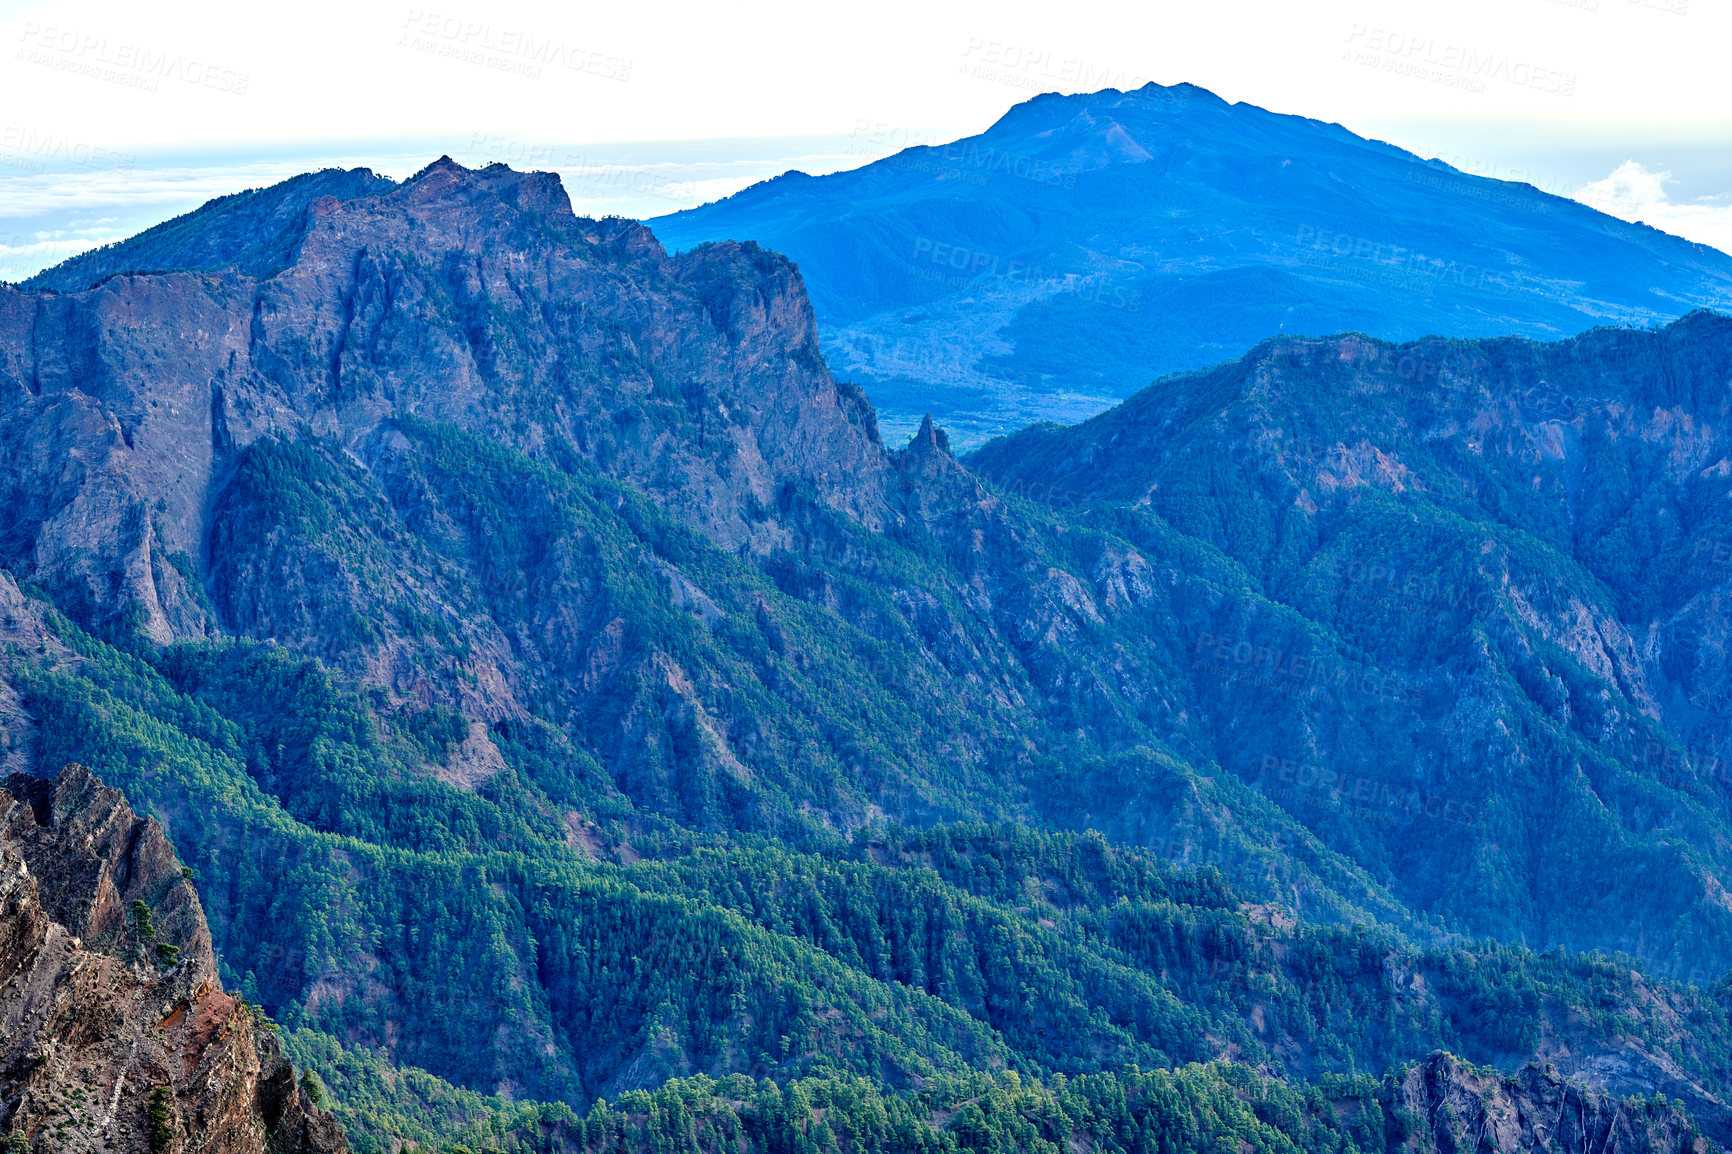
21,256
1637,193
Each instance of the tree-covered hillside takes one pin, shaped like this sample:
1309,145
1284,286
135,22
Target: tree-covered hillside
385,916
562,696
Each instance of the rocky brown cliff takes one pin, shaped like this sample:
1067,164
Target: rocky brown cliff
115,1033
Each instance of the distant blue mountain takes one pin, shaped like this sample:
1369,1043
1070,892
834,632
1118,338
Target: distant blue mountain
1085,245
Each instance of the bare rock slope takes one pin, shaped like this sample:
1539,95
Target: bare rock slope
1449,1105
115,1033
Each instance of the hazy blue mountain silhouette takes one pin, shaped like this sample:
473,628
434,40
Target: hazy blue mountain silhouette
1084,245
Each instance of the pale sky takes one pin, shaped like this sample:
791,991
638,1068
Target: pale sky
116,115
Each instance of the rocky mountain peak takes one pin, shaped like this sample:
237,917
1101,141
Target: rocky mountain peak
93,858
471,298
539,193
929,438
1308,229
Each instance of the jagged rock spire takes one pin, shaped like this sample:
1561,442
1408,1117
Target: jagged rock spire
930,437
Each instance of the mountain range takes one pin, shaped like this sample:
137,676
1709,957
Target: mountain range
1083,246
581,730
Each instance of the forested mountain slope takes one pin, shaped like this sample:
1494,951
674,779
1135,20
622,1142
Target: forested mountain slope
1532,537
557,687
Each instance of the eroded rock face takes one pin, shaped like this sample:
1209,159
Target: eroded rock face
115,1033
471,298
1449,1106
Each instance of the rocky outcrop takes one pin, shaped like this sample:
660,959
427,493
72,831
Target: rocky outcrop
1445,1106
115,1032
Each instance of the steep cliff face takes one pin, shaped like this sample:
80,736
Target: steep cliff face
1446,1106
474,299
116,1031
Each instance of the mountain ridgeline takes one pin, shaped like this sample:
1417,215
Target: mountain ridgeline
583,732
1084,245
